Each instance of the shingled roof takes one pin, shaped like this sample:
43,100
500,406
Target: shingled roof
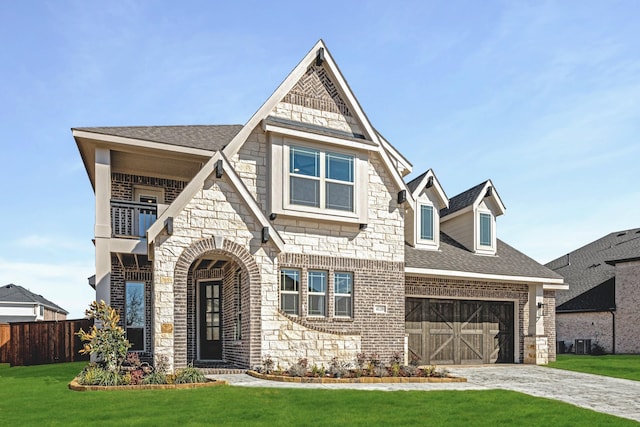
16,293
205,137
452,256
586,268
462,200
413,184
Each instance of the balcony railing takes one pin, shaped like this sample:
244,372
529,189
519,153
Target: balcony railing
131,219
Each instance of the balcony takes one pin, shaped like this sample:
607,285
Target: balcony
132,219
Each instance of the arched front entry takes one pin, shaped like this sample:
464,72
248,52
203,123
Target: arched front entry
216,305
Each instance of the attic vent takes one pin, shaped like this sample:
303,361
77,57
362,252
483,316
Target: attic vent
623,234
594,265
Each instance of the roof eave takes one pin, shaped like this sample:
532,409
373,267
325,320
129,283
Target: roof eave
548,282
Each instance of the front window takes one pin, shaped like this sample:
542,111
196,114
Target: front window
321,179
317,282
343,291
426,222
485,229
135,314
290,291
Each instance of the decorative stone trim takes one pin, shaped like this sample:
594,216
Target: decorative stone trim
361,380
316,90
76,386
329,262
319,328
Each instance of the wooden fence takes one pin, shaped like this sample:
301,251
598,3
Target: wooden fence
38,343
5,334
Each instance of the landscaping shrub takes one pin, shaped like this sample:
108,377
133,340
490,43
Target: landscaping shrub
189,375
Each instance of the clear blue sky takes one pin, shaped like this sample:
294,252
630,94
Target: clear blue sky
541,97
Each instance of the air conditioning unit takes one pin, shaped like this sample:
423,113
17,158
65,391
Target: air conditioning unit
583,346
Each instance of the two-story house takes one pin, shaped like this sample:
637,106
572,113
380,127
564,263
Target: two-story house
18,304
295,235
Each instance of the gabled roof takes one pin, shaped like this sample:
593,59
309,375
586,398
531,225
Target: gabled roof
418,184
319,49
453,259
586,267
196,183
212,138
15,293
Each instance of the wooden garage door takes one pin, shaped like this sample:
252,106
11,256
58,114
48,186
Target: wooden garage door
460,332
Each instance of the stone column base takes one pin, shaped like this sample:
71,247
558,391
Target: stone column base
536,350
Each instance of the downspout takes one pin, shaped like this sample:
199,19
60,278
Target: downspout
613,331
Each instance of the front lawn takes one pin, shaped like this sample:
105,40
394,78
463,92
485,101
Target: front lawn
612,365
38,395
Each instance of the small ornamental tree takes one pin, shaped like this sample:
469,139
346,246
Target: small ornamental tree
107,340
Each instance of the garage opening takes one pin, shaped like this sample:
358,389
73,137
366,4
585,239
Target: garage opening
459,332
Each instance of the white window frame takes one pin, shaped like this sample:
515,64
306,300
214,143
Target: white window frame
295,292
489,249
342,295
310,294
280,182
421,243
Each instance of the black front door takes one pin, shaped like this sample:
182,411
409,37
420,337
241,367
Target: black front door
211,320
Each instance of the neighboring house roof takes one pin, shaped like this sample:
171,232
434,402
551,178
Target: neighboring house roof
18,294
600,298
586,268
206,137
453,257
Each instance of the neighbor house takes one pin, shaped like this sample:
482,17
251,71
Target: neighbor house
295,235
18,304
601,306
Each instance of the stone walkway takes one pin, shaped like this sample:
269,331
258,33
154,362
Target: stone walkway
603,394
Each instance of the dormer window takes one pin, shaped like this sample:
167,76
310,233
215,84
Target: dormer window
485,230
426,223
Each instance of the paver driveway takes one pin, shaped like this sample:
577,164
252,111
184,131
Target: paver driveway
603,394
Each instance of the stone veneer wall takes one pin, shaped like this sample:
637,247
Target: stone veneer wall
214,221
627,303
596,326
433,287
119,276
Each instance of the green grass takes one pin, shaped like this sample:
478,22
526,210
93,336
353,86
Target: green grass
613,365
38,395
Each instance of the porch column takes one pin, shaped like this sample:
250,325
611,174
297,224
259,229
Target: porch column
536,344
102,230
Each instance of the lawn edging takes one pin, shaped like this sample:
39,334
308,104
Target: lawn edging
76,386
361,380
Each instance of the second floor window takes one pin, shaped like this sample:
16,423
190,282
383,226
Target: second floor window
426,222
485,230
321,179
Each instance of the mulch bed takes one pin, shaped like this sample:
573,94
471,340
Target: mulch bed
76,386
360,380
